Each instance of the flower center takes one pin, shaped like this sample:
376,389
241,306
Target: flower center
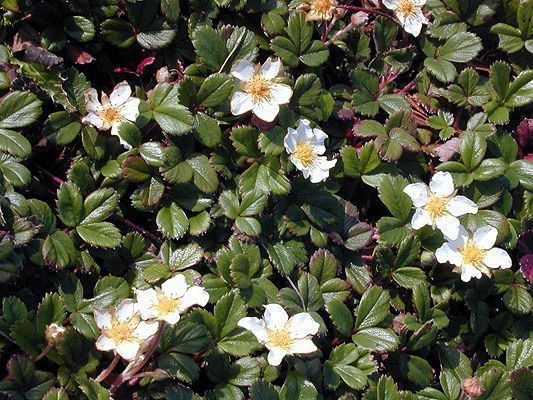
323,7
111,114
436,206
258,87
406,7
305,153
120,332
472,254
281,338
166,305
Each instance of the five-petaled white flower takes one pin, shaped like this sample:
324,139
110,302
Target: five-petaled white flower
319,10
409,13
108,114
474,254
305,147
282,335
437,204
170,300
123,330
260,91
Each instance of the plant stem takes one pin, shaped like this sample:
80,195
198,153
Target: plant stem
44,352
297,292
132,370
105,373
370,11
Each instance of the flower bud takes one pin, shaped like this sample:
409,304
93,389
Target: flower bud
359,18
54,333
472,387
428,259
162,75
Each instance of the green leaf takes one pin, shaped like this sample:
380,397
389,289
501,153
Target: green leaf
519,354
58,250
455,369
118,32
92,389
171,116
79,28
209,46
215,90
376,339
19,109
460,48
373,308
472,149
204,176
14,143
172,221
49,311
179,366
228,311
341,316
69,204
391,194
416,369
100,234
296,387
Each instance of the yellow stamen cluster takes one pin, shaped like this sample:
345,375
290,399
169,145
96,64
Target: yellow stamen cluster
304,152
280,338
323,7
406,7
166,305
110,114
472,254
120,331
258,87
436,206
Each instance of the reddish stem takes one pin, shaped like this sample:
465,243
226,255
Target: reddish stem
105,373
370,11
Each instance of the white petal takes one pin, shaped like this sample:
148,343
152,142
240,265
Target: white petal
115,132
92,104
146,329
442,184
270,69
446,253
145,303
266,110
302,325
243,70
418,192
419,3
94,120
461,205
449,226
319,171
413,24
126,310
130,109
104,343
120,94
102,318
275,317
420,219
128,350
280,93
485,237
390,4
195,295
468,272
256,326
304,131
290,140
171,318
497,258
319,137
302,346
275,356
241,103
175,287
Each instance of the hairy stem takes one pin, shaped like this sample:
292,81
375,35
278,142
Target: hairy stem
105,373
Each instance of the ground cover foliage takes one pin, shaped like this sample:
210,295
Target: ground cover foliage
228,199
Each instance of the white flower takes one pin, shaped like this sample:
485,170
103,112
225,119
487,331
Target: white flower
319,10
123,330
170,300
261,91
112,110
474,254
54,333
305,147
282,335
409,13
437,204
